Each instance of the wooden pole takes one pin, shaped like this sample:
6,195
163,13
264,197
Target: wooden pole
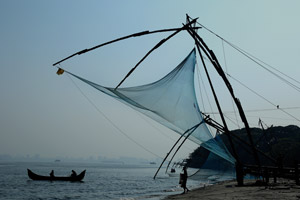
119,39
173,148
210,54
195,127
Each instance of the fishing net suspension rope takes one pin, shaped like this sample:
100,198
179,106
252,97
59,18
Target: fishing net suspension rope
112,123
226,71
201,95
256,110
115,126
237,122
258,61
262,97
157,129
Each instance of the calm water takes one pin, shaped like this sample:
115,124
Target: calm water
101,182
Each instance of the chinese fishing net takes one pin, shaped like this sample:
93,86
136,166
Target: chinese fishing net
172,102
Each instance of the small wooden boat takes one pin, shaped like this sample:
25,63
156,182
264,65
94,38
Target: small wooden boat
34,176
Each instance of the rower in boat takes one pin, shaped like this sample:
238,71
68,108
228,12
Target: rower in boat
74,174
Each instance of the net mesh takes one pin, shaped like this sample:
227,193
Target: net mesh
172,102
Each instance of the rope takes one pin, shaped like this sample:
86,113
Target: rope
257,110
225,62
205,90
148,121
113,124
199,77
277,118
278,108
201,95
232,103
194,173
276,75
257,61
232,121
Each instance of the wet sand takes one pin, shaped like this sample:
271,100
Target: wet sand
228,190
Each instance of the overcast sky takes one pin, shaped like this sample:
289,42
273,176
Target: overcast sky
42,113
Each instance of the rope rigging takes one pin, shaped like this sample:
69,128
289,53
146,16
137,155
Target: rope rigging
111,122
278,108
261,64
157,129
258,61
130,138
206,94
258,110
226,71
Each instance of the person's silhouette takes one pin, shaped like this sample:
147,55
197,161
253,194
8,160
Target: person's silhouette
184,180
52,174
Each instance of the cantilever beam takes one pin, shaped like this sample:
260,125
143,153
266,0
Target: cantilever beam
119,39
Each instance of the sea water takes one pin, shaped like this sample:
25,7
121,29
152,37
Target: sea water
102,181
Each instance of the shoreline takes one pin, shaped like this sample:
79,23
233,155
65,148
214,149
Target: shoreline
228,190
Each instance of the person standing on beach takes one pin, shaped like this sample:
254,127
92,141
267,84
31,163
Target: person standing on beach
184,180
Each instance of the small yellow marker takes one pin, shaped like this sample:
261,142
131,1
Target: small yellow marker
60,71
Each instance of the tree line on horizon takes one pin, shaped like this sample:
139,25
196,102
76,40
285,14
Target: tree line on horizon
282,144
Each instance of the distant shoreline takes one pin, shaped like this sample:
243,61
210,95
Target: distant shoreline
228,190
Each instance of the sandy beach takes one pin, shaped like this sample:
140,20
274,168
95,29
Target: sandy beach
284,189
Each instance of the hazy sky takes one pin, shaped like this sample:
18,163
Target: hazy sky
43,113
